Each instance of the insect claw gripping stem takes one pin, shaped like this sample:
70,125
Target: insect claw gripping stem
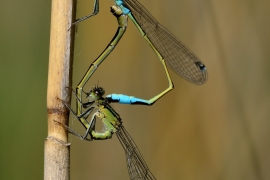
95,12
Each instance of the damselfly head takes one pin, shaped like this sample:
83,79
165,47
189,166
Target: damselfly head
96,92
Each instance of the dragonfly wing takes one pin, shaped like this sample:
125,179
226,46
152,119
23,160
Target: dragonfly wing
136,165
179,58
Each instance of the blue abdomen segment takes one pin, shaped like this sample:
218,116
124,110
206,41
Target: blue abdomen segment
124,99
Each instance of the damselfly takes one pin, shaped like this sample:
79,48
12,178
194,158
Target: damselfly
112,122
167,47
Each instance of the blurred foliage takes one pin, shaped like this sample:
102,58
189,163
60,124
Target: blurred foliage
216,131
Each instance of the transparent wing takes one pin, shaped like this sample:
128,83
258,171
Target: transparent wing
136,165
179,58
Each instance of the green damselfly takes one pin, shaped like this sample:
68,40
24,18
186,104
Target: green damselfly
167,47
112,122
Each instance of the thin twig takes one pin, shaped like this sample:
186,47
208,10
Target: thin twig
56,160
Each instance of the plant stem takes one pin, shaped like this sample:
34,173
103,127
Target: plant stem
56,152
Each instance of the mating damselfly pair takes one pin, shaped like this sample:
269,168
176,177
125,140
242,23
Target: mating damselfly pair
169,50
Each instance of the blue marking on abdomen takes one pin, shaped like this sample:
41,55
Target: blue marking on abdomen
124,99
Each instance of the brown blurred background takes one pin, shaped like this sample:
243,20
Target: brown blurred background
219,130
